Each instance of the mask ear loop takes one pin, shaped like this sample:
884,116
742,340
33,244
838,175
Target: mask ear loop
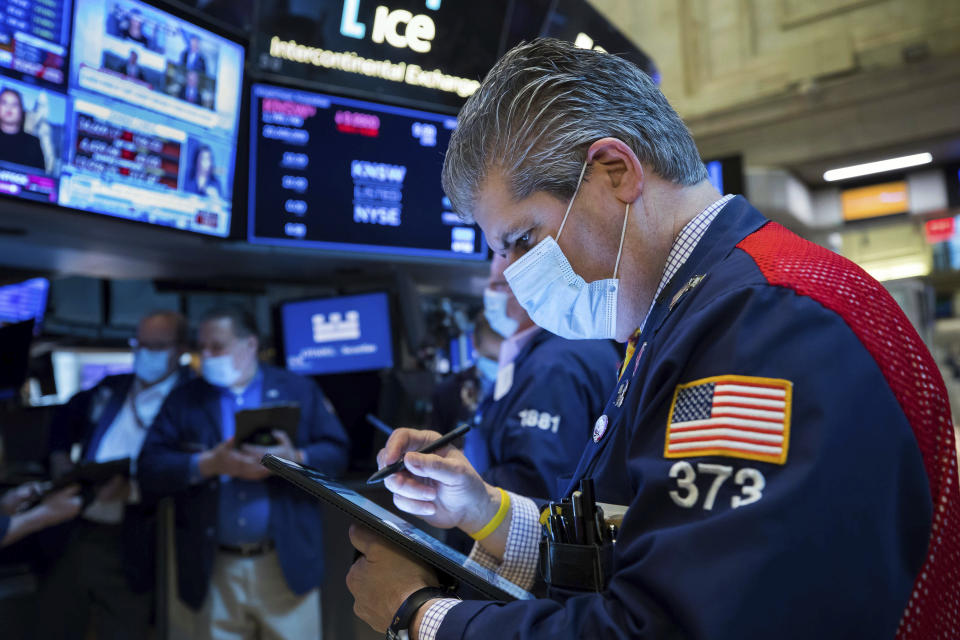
570,206
623,233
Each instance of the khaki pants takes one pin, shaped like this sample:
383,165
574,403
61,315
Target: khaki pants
249,599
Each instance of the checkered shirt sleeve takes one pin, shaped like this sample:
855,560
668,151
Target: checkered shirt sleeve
519,564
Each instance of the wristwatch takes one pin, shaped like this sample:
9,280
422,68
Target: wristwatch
403,618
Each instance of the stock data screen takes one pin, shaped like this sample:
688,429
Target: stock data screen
34,35
334,173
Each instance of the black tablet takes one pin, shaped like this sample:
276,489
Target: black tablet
256,426
398,531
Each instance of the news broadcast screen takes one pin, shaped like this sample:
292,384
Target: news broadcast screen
34,53
336,335
340,174
152,129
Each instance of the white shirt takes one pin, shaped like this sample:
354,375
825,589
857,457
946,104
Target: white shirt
124,439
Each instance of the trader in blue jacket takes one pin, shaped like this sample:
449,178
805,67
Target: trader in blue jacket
779,433
527,435
106,573
249,546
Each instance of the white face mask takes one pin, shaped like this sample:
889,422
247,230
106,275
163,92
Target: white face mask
559,300
220,371
495,311
151,366
488,369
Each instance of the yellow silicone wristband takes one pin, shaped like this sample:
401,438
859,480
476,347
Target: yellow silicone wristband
497,519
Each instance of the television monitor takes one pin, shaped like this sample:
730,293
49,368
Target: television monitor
335,173
152,122
25,300
77,370
432,53
336,335
34,41
577,22
34,58
726,174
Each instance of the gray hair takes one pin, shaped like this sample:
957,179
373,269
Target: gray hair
541,107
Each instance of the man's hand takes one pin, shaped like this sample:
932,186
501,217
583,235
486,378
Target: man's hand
16,499
115,490
441,487
382,578
284,449
57,507
224,459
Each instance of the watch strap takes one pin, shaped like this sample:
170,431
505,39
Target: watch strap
403,618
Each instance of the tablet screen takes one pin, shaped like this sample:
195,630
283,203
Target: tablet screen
412,534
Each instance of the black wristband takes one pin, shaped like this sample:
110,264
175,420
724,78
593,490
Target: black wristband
403,618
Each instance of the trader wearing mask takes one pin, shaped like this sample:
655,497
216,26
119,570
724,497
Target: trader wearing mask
107,570
530,429
779,433
249,547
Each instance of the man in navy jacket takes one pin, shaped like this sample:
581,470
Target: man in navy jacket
779,432
107,569
249,547
527,435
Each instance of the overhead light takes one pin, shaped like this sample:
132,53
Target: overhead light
890,164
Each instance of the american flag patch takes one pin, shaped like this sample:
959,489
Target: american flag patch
733,416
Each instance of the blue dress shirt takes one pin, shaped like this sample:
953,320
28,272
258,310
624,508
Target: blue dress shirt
244,513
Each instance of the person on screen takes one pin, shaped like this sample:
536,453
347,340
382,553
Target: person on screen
132,69
16,145
192,58
249,545
191,88
106,571
133,29
203,179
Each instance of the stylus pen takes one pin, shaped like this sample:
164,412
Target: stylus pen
439,443
379,424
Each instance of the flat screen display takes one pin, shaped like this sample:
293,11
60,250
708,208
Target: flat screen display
432,52
25,300
336,335
135,116
334,173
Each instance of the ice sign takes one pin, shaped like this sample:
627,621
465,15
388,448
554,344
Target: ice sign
425,132
335,327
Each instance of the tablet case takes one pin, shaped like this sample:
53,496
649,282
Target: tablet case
397,530
254,426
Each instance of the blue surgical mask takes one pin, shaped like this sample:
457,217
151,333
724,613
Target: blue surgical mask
488,369
559,300
151,366
495,311
220,371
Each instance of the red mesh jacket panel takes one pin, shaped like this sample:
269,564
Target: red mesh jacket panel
787,260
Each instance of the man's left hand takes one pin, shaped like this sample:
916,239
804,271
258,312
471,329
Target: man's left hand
284,449
382,578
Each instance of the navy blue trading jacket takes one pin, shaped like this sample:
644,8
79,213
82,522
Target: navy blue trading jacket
819,534
84,420
535,433
189,423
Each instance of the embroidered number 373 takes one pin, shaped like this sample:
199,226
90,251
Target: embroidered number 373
687,494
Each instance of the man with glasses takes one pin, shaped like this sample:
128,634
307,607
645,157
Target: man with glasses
107,569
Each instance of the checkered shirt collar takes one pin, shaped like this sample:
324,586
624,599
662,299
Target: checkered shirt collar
687,240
